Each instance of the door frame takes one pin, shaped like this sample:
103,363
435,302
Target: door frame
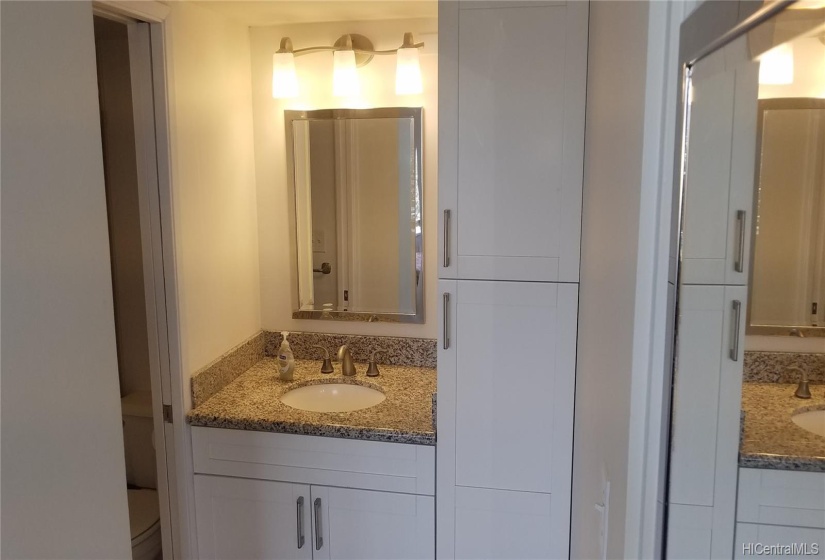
153,150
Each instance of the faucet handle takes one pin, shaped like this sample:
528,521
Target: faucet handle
326,367
802,390
372,370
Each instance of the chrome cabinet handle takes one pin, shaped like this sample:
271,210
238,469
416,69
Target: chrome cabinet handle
300,522
735,325
739,263
319,540
446,321
446,238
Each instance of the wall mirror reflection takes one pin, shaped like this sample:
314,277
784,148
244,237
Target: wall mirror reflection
356,179
788,272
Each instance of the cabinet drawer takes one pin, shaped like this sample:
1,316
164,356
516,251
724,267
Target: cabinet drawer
371,465
781,498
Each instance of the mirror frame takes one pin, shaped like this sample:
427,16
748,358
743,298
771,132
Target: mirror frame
776,330
417,116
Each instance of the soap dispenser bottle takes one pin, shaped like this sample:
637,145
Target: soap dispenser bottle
286,361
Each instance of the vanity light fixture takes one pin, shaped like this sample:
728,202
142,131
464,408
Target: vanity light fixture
344,74
349,52
776,66
284,78
408,69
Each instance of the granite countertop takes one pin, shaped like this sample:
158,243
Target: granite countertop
252,402
771,440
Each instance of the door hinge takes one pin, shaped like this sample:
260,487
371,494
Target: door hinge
167,413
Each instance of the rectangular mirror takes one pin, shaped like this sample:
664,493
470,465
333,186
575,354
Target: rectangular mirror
788,273
355,176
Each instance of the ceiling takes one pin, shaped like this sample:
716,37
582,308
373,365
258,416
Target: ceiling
279,12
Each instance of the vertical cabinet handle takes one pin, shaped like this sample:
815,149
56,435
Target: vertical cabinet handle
739,263
735,326
446,335
319,539
446,238
300,522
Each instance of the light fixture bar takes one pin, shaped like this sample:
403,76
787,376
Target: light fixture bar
310,50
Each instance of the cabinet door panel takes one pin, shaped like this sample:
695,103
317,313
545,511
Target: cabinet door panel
720,173
515,194
496,524
251,519
368,525
515,372
707,404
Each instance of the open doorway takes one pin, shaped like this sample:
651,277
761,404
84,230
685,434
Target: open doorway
124,62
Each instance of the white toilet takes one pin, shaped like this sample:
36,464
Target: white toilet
144,512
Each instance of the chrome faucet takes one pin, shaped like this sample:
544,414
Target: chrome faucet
345,357
802,390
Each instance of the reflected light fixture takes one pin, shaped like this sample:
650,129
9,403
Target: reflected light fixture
284,78
349,52
408,69
776,66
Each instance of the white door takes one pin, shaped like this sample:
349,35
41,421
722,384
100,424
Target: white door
705,447
250,519
371,525
720,173
505,392
510,160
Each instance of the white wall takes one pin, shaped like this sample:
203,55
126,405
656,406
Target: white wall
213,183
378,90
63,476
610,237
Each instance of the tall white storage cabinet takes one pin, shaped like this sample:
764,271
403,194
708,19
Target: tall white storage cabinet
713,296
511,139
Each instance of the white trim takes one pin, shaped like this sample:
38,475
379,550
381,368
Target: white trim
147,173
183,486
148,11
649,381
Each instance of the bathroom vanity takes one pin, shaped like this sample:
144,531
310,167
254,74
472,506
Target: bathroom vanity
272,481
781,493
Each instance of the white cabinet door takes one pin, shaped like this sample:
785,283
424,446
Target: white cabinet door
505,387
369,525
511,139
720,173
503,525
252,519
705,445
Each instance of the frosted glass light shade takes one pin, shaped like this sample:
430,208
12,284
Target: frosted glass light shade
284,78
408,72
776,66
344,74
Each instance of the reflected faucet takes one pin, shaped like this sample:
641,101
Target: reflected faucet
345,357
796,332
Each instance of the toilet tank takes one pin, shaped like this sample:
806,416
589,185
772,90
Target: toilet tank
138,439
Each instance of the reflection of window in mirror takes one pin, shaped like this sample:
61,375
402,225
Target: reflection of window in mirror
787,288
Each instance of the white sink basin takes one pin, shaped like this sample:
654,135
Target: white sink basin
813,421
332,397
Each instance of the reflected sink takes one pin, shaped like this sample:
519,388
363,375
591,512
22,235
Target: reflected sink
813,421
332,397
